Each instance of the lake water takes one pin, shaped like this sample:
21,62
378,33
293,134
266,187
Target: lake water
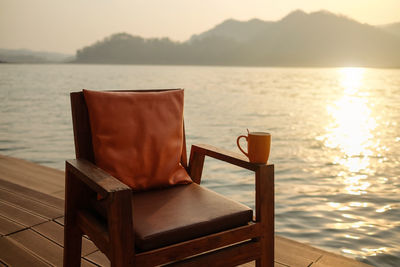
335,138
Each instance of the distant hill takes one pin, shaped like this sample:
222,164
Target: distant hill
393,28
240,31
29,56
299,39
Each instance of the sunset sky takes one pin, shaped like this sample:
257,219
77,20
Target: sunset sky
65,26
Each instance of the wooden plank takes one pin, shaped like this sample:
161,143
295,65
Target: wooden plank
7,226
59,220
14,255
18,215
34,176
55,233
253,263
86,263
32,194
99,258
230,256
332,260
60,194
40,246
292,260
30,205
42,249
293,253
278,264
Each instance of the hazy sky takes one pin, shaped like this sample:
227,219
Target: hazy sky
67,25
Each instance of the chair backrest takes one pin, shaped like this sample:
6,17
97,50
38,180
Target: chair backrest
81,127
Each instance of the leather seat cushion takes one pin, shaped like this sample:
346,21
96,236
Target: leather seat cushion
183,212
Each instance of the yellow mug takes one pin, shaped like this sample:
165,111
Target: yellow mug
258,146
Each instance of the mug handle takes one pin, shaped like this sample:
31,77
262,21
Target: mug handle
238,144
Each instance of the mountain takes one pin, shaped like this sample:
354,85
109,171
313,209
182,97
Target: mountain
240,31
393,28
315,39
324,39
29,56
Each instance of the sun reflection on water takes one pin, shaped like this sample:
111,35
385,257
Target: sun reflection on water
352,128
367,251
351,132
353,143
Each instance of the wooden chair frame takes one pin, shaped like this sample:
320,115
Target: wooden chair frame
84,181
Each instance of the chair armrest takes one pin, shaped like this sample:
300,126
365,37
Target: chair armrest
198,152
225,155
264,180
94,177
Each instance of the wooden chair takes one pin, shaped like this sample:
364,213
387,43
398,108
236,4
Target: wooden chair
110,222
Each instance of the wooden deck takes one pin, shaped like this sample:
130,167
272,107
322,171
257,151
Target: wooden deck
31,224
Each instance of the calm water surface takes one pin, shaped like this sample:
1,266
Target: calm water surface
336,138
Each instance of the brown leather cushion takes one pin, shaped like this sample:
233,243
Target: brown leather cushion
138,136
180,213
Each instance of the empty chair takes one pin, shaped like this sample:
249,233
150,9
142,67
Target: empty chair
133,193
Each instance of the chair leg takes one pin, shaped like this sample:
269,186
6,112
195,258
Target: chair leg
74,195
121,230
268,247
72,246
267,256
265,214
